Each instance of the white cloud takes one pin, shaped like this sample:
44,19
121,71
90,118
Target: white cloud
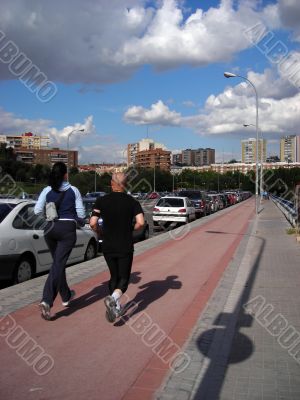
95,52
225,113
103,149
289,13
14,125
59,136
158,114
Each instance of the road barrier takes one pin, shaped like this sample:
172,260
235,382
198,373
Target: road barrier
288,209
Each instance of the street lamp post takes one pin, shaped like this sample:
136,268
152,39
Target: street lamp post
261,159
95,179
231,75
173,181
68,141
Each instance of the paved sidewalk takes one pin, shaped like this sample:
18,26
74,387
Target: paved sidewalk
246,343
80,355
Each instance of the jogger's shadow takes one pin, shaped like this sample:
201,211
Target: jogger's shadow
96,294
151,292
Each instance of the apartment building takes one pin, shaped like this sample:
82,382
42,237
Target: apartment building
290,149
27,140
249,150
47,156
142,145
198,157
157,158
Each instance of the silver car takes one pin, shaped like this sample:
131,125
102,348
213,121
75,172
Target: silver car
23,250
173,209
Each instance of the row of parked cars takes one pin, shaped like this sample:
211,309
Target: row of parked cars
187,205
24,252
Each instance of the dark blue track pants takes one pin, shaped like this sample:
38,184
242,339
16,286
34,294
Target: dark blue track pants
60,238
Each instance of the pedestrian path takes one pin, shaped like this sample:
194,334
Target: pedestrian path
80,355
246,343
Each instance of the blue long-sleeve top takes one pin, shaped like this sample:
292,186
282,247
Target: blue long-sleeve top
71,206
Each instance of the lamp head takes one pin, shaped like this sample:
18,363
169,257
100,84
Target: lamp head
229,75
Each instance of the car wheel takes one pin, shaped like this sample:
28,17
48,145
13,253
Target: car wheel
91,251
23,270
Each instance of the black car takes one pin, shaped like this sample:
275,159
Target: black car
138,235
198,199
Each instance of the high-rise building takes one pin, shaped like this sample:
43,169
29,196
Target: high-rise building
132,150
157,158
27,140
177,158
188,157
290,148
144,144
249,150
197,157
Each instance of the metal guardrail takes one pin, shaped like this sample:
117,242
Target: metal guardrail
287,208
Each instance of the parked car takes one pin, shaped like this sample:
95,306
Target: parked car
95,194
138,235
198,199
173,209
23,250
214,202
153,196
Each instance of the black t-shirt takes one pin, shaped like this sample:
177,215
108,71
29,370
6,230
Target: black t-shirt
117,211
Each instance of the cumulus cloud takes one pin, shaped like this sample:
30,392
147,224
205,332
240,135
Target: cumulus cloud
104,148
14,125
87,48
158,114
289,13
225,113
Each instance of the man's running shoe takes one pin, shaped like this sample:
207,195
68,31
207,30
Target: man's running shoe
110,305
45,310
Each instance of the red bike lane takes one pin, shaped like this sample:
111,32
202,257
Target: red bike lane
90,358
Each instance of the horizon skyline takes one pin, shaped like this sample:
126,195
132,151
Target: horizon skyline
161,74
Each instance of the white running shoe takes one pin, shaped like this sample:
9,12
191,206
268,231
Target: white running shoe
67,303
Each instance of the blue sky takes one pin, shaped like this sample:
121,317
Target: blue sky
125,68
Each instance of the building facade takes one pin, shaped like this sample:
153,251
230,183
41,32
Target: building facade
100,169
249,150
142,145
198,157
47,156
27,140
290,149
177,159
154,158
236,167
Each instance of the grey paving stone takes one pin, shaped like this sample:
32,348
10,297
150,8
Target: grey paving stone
266,371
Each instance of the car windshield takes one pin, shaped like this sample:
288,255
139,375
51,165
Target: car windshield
5,209
170,202
89,206
95,194
191,195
